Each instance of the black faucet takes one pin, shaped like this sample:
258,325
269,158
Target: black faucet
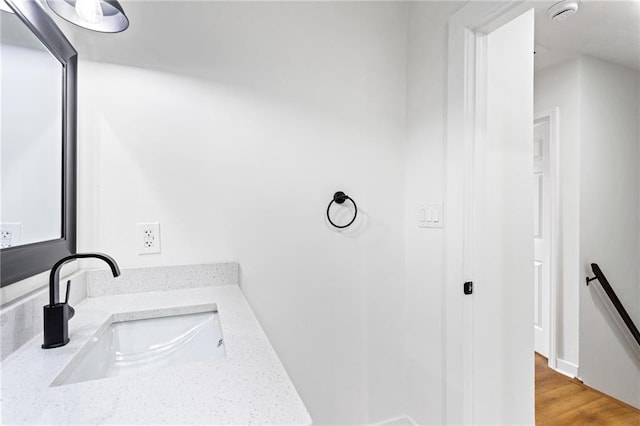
57,314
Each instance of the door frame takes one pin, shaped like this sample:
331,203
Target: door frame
466,110
555,255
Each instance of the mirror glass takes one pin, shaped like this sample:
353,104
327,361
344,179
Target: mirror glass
31,88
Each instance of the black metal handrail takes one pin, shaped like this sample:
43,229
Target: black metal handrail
602,279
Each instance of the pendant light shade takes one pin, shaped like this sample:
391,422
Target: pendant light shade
105,16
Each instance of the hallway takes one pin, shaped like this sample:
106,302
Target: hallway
564,401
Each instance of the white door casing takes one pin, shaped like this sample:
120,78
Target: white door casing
553,244
502,342
489,341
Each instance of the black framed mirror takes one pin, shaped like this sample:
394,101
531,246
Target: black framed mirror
38,253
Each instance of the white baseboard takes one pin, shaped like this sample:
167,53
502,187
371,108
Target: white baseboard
567,368
399,421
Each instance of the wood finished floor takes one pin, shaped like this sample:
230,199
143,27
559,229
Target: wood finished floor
563,401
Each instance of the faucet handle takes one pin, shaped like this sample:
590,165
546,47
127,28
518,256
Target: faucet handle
72,311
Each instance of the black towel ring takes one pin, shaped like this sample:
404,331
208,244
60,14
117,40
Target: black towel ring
339,198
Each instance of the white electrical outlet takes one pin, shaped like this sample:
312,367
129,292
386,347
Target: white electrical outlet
10,234
148,238
5,238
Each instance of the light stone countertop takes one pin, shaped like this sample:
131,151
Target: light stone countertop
248,386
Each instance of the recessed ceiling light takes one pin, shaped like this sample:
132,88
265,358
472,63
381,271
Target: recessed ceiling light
562,10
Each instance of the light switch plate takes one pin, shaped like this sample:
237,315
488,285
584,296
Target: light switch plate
430,215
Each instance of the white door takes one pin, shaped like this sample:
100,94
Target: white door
502,376
541,234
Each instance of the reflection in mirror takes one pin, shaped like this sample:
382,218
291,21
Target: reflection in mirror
31,137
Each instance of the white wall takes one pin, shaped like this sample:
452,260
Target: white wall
609,224
559,86
424,183
241,166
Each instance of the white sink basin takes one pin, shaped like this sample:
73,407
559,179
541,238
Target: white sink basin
130,347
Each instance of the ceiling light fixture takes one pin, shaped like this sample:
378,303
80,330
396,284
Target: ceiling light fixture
562,10
105,16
